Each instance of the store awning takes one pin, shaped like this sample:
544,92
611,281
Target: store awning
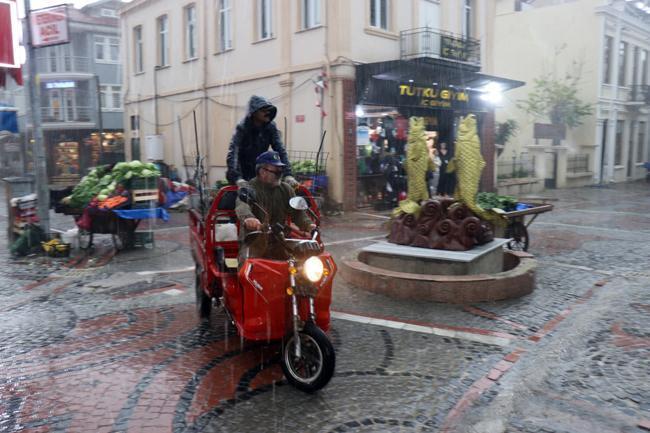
380,83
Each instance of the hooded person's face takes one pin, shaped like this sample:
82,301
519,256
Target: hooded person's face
262,115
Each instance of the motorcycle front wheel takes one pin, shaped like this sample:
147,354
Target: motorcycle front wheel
315,367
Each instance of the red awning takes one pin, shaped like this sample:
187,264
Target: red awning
9,43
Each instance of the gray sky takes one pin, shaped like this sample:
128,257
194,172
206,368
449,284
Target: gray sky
37,4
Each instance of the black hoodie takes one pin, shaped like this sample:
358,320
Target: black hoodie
248,142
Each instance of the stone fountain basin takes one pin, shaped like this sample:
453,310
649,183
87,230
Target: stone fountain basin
483,274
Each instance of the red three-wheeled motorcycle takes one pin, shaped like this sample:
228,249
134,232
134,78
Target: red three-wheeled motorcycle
268,300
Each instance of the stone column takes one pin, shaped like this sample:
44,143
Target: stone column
349,159
560,180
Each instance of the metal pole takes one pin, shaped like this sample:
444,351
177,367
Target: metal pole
100,121
40,163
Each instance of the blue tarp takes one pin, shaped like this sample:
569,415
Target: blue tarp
141,214
171,198
9,121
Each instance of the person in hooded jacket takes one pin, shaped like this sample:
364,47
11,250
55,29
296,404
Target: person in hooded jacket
252,137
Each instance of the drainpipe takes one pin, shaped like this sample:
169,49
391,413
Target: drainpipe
100,121
206,134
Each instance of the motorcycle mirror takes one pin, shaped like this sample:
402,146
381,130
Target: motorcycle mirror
298,203
246,195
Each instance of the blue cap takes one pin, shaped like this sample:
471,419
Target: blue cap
269,157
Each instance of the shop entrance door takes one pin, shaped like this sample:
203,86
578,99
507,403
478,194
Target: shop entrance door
550,176
429,19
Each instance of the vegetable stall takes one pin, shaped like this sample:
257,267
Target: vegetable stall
516,212
113,199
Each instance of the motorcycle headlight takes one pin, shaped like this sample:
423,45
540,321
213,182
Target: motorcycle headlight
313,269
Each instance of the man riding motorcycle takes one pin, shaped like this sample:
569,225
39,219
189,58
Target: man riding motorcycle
253,136
271,206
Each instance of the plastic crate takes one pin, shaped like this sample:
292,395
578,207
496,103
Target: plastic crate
138,183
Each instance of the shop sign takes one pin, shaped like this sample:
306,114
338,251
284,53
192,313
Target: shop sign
60,85
433,97
300,118
49,26
454,48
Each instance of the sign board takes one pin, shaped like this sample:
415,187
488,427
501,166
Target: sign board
300,118
432,96
60,85
549,131
49,26
9,36
454,48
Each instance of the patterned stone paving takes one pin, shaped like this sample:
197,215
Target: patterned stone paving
111,343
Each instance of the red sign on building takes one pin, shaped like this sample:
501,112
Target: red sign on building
49,26
300,118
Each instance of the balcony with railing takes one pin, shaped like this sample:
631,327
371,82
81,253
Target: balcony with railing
640,94
63,64
425,42
71,114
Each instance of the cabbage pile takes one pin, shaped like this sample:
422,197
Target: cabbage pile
100,182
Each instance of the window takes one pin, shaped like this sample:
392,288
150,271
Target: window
467,18
225,25
110,97
108,13
107,49
607,71
622,67
138,65
618,152
635,66
640,144
191,36
379,14
311,10
264,19
163,40
644,67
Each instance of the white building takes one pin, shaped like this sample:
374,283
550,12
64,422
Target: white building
203,59
608,43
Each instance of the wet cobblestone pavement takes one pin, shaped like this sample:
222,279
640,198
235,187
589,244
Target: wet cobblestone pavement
111,343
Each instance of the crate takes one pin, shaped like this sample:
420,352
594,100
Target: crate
138,183
144,198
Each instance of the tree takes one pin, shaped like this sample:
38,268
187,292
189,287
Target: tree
557,100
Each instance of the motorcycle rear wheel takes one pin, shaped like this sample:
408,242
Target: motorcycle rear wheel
315,367
203,301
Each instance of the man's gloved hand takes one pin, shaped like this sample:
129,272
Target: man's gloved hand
241,183
293,183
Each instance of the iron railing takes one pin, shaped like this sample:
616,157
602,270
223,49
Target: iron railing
60,64
640,93
577,163
68,114
517,168
427,42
